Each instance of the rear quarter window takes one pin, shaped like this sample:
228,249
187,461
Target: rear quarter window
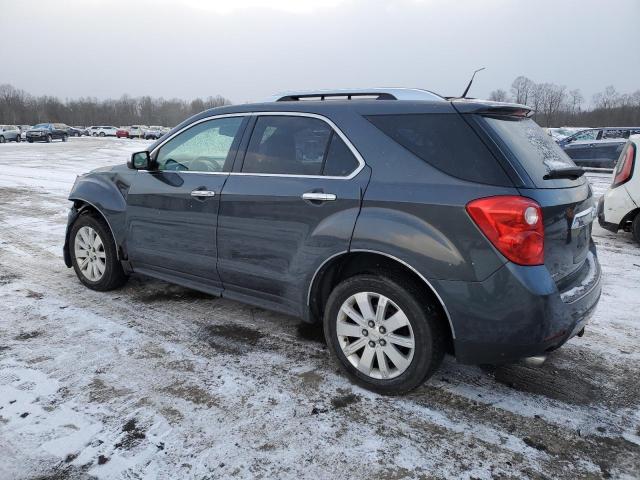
446,142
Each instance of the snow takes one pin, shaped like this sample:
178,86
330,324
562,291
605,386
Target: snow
586,282
156,381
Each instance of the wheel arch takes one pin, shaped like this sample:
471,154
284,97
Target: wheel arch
346,264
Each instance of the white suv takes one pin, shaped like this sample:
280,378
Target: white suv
104,131
619,208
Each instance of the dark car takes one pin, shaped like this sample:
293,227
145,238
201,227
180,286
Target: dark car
46,132
597,147
407,224
75,131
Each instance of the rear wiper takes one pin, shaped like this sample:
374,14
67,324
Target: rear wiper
571,173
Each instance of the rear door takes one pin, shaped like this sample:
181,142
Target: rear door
172,211
290,204
567,205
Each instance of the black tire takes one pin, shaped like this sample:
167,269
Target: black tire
430,339
49,138
18,139
2,139
102,134
29,140
635,228
65,138
113,276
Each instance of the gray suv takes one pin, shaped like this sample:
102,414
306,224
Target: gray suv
408,224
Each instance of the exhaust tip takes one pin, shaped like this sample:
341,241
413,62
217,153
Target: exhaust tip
534,361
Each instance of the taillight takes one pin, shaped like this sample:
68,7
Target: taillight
624,169
513,225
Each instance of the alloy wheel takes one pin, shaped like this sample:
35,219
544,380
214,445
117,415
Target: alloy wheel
90,255
375,335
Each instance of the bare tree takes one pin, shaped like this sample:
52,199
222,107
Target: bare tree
522,89
498,95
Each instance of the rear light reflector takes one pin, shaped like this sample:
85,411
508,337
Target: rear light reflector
624,169
513,224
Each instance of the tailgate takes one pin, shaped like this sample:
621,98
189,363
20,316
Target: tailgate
567,215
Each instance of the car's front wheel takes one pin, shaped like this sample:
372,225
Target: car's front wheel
386,338
93,254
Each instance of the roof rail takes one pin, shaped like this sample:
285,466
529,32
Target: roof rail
350,94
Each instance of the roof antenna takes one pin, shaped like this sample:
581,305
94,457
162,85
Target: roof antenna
466,90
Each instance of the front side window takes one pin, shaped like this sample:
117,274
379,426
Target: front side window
295,145
205,147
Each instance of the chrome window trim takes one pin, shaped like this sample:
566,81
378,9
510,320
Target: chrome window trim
444,307
345,139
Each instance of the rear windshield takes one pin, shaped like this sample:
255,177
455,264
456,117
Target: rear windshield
446,142
535,151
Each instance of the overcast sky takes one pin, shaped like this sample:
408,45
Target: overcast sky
246,50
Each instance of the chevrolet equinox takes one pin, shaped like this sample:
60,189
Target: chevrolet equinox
409,224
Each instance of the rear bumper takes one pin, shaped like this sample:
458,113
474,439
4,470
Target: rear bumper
518,312
612,227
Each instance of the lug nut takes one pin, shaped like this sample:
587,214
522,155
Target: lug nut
372,323
372,344
382,342
383,330
365,332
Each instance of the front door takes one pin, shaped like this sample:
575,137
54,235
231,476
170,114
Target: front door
291,203
172,210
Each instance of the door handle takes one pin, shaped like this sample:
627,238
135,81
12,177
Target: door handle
319,197
203,193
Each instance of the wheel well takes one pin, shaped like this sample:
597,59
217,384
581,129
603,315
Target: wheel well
628,218
85,208
348,265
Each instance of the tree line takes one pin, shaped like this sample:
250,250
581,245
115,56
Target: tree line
18,107
556,105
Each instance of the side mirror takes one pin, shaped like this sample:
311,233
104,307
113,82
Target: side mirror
140,161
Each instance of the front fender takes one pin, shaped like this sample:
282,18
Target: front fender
106,192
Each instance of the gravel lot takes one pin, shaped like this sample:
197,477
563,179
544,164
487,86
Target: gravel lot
156,381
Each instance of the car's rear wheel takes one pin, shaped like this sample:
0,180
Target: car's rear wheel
2,139
93,254
635,228
102,134
49,138
386,338
65,138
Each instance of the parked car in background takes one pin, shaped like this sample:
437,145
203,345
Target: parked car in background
46,132
23,130
619,208
83,129
123,132
137,131
104,131
75,131
561,133
154,132
10,133
597,147
475,240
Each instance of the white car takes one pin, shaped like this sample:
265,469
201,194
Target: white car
23,130
137,131
104,131
619,208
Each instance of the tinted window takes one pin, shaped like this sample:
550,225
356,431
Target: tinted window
205,147
287,145
340,162
615,134
446,142
531,147
586,135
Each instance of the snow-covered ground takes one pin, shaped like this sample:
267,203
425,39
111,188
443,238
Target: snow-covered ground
156,381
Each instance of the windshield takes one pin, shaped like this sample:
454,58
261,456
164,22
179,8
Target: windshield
42,125
536,151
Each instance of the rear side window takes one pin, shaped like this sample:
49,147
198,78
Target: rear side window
296,145
446,142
